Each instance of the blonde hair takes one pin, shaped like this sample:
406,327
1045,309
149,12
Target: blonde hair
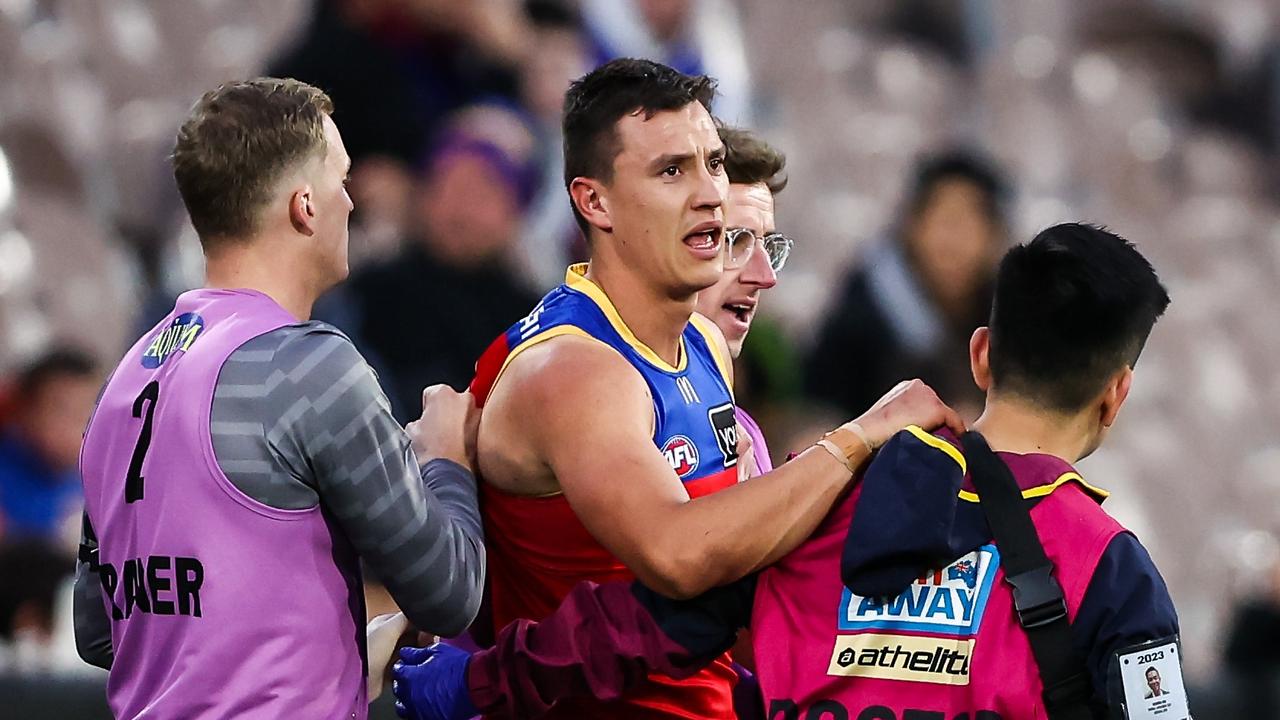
237,142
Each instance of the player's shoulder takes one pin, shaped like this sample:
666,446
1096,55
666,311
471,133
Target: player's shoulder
560,307
568,366
572,356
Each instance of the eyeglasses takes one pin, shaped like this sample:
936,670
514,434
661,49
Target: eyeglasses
741,242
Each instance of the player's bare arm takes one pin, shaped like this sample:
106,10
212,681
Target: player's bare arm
572,416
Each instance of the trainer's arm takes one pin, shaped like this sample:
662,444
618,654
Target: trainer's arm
595,433
324,418
1126,603
89,611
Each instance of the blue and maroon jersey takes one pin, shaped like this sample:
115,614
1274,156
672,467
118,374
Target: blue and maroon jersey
539,550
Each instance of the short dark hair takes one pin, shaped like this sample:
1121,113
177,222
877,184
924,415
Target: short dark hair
748,159
596,101
1071,307
959,164
58,362
237,142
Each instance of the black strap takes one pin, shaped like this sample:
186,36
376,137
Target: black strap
88,552
1037,596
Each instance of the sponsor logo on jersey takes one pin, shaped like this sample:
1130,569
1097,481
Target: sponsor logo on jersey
682,454
530,324
180,335
949,601
725,426
789,709
941,661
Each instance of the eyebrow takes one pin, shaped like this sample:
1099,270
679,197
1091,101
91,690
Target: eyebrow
665,161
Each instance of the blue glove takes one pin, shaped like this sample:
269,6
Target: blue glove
430,683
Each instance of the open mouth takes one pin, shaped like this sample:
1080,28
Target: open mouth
705,238
741,311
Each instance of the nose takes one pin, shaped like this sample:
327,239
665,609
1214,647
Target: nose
710,190
758,272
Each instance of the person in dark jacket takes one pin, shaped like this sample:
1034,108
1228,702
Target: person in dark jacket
426,314
908,308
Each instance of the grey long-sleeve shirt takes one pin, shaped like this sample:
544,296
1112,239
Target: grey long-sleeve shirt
298,420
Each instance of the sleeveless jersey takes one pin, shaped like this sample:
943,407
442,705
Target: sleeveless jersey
950,646
538,549
220,606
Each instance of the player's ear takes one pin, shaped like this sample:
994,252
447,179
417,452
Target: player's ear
980,359
590,197
1114,395
302,212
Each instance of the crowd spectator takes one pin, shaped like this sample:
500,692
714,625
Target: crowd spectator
396,70
51,399
551,240
909,307
424,315
692,36
1252,657
35,575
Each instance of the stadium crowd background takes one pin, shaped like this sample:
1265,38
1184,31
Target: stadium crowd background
1160,119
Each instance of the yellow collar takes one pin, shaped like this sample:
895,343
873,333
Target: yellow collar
1032,492
576,279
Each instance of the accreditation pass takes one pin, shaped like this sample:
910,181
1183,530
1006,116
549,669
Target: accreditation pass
1152,679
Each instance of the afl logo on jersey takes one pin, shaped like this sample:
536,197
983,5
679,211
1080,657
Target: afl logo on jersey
682,454
180,335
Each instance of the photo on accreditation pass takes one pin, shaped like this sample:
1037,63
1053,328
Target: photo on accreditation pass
1152,680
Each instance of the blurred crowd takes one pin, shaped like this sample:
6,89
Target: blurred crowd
923,137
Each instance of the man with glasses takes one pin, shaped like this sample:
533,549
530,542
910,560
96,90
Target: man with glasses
754,254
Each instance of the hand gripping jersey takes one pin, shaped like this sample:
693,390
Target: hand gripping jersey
949,646
220,606
538,549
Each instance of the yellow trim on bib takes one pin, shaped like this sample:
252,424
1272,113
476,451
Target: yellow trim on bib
939,444
1028,493
1042,490
576,278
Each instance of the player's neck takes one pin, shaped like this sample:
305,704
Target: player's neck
655,319
1013,425
251,268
